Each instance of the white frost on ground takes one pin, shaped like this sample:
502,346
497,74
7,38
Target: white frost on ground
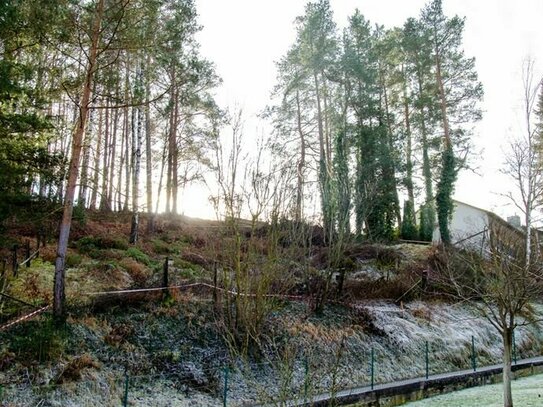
109,392
396,334
527,392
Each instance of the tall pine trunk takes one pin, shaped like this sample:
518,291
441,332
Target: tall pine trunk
148,154
84,178
408,149
96,164
136,157
428,216
389,145
105,199
447,178
59,311
127,161
324,181
171,145
175,155
301,162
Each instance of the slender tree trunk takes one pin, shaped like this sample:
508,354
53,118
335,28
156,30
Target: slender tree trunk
96,164
507,336
148,155
84,179
121,164
529,199
169,182
343,190
448,170
327,138
161,177
301,163
442,102
59,311
171,145
323,165
106,197
429,207
136,158
390,146
175,155
127,163
113,158
409,149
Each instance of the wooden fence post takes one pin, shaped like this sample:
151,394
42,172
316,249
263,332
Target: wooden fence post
3,275
14,263
27,253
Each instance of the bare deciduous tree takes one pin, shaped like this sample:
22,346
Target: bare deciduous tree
499,284
523,164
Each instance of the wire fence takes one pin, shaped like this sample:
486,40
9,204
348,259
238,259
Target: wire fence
300,379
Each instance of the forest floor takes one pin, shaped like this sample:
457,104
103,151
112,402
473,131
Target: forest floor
174,350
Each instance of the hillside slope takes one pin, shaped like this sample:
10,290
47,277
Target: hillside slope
175,349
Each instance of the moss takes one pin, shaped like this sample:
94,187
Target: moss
138,255
161,247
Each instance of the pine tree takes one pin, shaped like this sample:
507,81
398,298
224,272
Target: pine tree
458,91
418,68
376,202
26,131
316,36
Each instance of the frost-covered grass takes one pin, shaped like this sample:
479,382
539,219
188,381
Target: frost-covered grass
527,392
177,354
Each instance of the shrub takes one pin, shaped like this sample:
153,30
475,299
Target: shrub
161,247
73,259
79,215
186,265
89,243
409,228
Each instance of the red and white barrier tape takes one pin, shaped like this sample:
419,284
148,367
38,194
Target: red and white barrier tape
141,290
24,318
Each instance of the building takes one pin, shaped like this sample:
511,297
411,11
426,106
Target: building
475,228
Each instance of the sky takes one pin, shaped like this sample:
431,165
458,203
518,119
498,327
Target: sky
244,38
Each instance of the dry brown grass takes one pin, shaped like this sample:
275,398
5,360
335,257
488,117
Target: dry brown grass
422,312
74,368
137,271
318,332
118,334
6,359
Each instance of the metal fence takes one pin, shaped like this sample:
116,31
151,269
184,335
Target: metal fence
238,384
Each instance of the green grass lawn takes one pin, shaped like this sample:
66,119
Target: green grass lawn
527,392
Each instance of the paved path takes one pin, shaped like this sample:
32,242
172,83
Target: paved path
352,395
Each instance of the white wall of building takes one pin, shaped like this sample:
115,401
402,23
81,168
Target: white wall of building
466,222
